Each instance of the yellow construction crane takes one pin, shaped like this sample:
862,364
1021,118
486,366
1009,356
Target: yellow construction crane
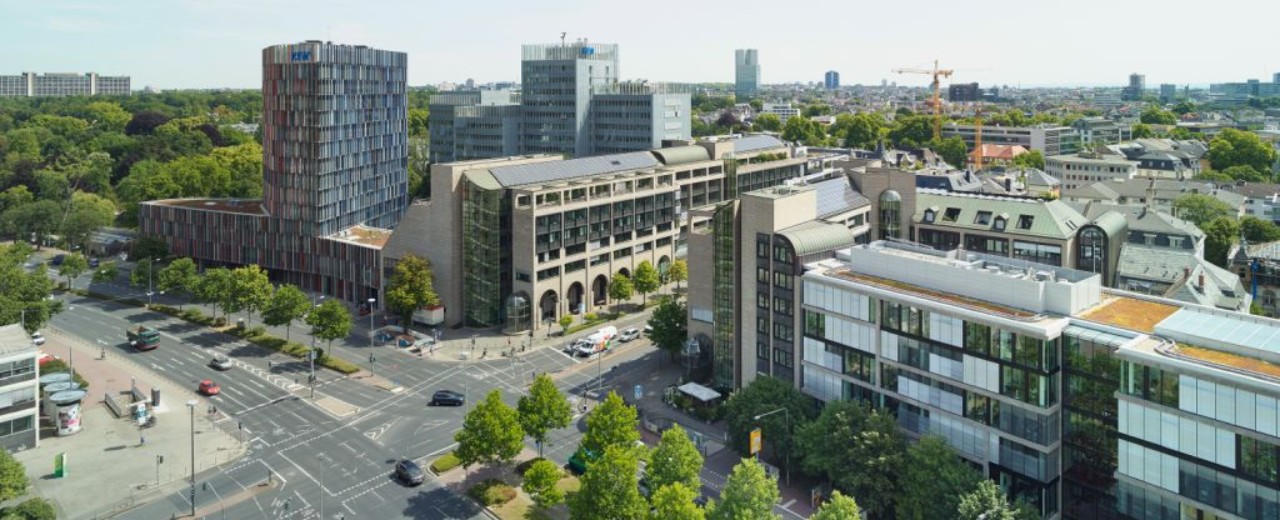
936,101
977,139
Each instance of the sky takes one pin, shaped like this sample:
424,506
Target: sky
172,44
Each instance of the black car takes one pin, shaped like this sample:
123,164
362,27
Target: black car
57,260
447,398
94,263
409,472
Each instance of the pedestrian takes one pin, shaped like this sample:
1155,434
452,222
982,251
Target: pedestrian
142,439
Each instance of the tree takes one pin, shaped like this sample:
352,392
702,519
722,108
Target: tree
805,131
859,449
933,480
817,110
1257,231
620,288
675,502
410,288
540,483
565,321
288,304
106,272
1141,131
252,289
748,494
418,122
329,321
87,213
988,502
214,289
143,274
679,272
675,461
1199,208
646,281
31,509
145,122
841,507
864,131
1184,107
911,131
13,478
1031,159
670,326
1154,115
1240,148
1245,173
149,247
609,489
612,423
768,123
1219,235
765,395
180,275
34,221
728,121
953,150
73,266
543,409
490,433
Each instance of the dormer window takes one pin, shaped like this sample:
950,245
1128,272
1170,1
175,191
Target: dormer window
1025,221
983,218
951,215
1001,222
929,215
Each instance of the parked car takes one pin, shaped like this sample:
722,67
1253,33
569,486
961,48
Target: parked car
220,362
448,398
94,263
209,388
648,329
409,472
629,334
57,260
37,338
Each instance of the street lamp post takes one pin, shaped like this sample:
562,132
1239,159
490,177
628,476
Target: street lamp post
312,354
786,414
371,302
150,289
323,458
191,405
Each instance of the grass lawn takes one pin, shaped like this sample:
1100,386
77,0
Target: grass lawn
569,484
516,509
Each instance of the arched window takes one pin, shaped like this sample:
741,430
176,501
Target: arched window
890,215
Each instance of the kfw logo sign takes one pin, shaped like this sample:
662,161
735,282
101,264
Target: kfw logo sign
300,56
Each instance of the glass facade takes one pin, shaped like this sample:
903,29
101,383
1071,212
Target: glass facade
890,215
724,344
481,255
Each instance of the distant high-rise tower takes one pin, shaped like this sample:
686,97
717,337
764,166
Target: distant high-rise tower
1275,78
1168,92
556,94
746,74
831,80
1137,85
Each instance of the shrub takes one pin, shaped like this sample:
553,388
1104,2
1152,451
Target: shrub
492,492
31,509
220,321
524,466
590,316
445,463
341,365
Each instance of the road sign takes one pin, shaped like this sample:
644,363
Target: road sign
639,392
755,441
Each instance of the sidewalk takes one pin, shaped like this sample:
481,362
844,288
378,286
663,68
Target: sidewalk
109,469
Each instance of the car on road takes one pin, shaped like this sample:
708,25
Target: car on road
57,260
409,472
220,362
447,398
629,334
37,338
648,329
209,388
94,263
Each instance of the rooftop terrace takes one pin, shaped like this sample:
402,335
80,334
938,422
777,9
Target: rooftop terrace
363,235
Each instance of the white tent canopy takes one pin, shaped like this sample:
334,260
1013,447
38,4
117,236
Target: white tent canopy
699,392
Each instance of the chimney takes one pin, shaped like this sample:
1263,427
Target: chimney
1201,284
1186,273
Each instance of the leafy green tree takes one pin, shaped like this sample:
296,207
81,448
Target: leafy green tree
540,483
329,321
1031,159
953,150
765,395
34,221
88,213
1183,108
1214,176
1234,147
1199,208
179,275
288,304
215,289
251,288
13,478
1219,235
646,280
859,449
543,409
609,488
670,326
31,509
149,248
748,494
803,130
620,288
678,273
675,461
842,507
768,123
418,122
1181,134
565,321
73,266
675,502
1245,173
817,110
143,274
1257,231
612,423
933,480
106,272
911,131
1154,115
15,196
410,288
988,502
490,433
1142,131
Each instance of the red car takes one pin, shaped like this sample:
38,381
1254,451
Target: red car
208,387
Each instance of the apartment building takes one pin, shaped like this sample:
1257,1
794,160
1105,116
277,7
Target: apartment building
1048,139
19,389
1033,230
1085,168
521,240
1098,130
31,84
784,111
1258,265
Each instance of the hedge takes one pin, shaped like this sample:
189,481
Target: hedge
492,492
445,463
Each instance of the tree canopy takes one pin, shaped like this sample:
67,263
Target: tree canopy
612,423
675,502
1199,208
1219,235
933,480
670,326
329,321
609,489
490,433
543,409
287,305
1234,147
764,395
748,494
953,150
410,288
675,461
841,507
1154,115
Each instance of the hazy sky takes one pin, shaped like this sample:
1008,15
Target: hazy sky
217,43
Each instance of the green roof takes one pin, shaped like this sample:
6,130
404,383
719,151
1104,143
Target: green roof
816,236
1049,219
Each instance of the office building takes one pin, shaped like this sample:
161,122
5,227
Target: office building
1048,139
334,169
31,84
831,80
1168,92
961,92
19,389
1086,167
1248,88
1136,88
517,241
746,74
1099,130
571,104
784,111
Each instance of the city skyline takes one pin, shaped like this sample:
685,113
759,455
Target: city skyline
208,44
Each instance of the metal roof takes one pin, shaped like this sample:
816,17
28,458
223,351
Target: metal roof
14,340
837,196
1210,327
1143,219
816,236
1113,223
553,171
1050,219
1097,336
682,155
751,143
